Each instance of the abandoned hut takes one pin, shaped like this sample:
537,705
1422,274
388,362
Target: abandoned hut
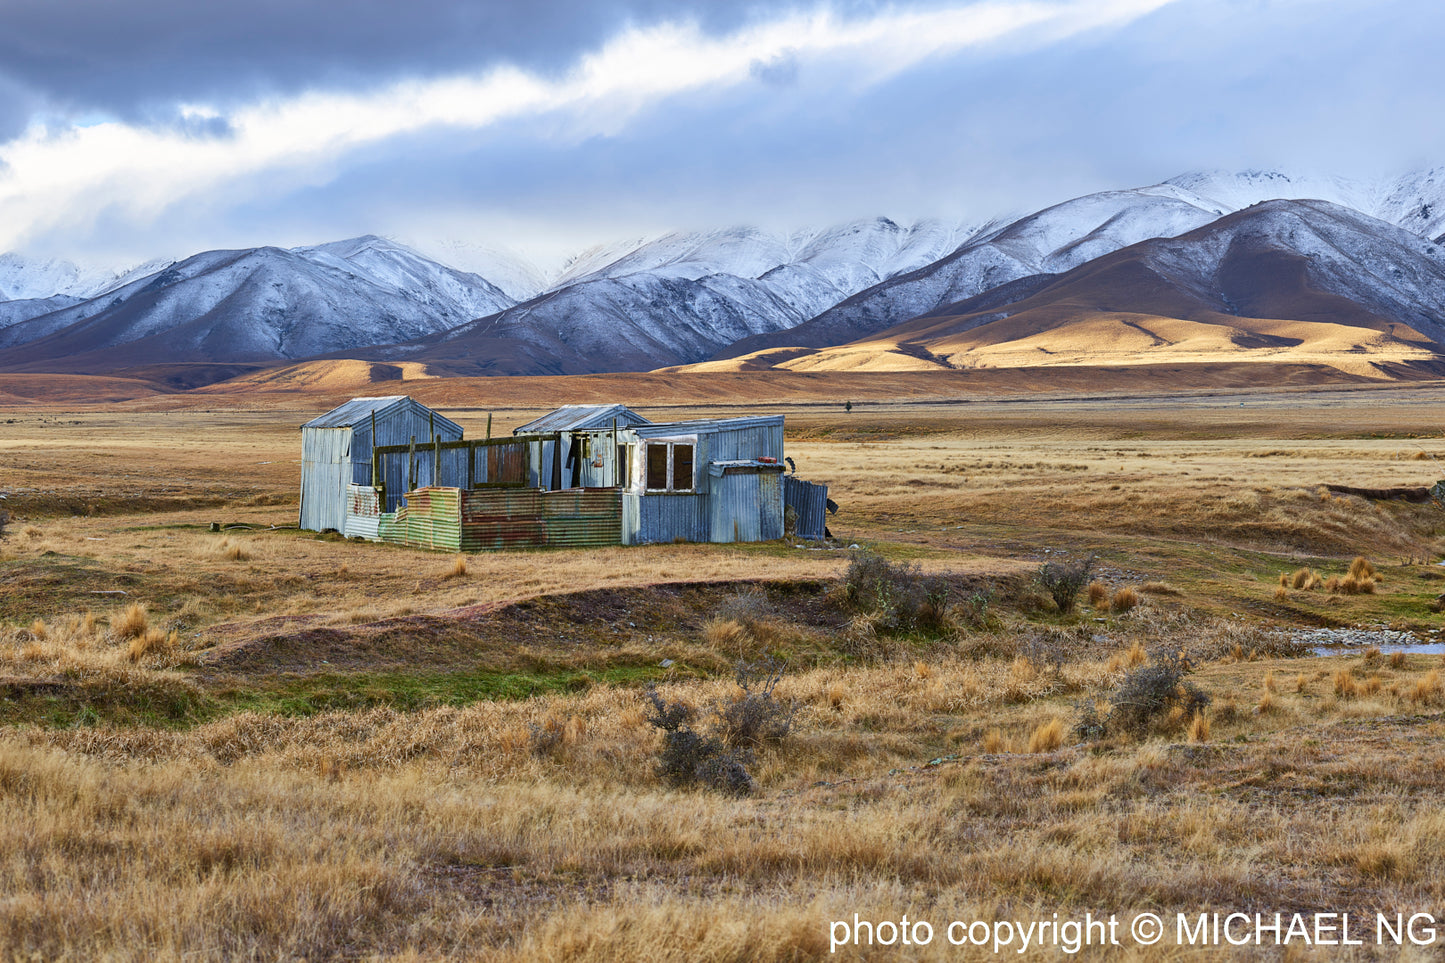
583,475
337,447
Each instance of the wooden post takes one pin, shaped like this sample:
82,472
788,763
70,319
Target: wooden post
373,448
436,468
616,461
489,426
471,466
411,469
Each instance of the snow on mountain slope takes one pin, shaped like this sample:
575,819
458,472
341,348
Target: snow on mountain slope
450,293
1302,282
1055,239
682,297
516,277
630,323
257,304
23,309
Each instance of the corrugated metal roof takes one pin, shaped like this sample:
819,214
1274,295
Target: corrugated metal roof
705,426
581,417
358,410
718,468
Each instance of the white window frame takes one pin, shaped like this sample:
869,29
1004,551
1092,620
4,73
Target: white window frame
670,443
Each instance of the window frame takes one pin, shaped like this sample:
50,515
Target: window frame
670,471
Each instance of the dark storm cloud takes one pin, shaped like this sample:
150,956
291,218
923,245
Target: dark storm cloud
125,58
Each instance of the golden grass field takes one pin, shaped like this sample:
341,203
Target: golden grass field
268,744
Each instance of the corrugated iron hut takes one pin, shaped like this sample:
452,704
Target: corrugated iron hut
704,481
589,452
336,450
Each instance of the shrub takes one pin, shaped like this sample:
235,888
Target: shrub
1065,580
1149,696
755,718
718,757
975,610
898,596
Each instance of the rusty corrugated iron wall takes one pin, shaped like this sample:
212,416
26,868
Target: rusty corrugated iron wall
482,520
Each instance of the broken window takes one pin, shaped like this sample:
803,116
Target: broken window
681,468
657,467
669,466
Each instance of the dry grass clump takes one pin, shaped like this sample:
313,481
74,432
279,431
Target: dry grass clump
1159,588
1281,594
1136,655
1047,737
234,551
458,567
1427,690
152,642
1303,579
1199,728
131,623
1098,594
1345,685
1124,599
1361,569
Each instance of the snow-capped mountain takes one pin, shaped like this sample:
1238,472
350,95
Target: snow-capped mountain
1292,281
1064,236
256,304
685,296
681,297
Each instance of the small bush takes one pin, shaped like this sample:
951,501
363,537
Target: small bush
718,757
1153,695
976,610
1361,569
689,758
1124,600
898,596
755,718
1065,580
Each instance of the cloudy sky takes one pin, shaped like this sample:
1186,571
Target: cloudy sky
163,127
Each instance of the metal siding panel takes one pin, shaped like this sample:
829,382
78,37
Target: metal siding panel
809,501
770,505
735,508
671,517
324,477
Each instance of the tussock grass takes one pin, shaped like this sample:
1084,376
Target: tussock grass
1047,737
458,567
1124,600
131,623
